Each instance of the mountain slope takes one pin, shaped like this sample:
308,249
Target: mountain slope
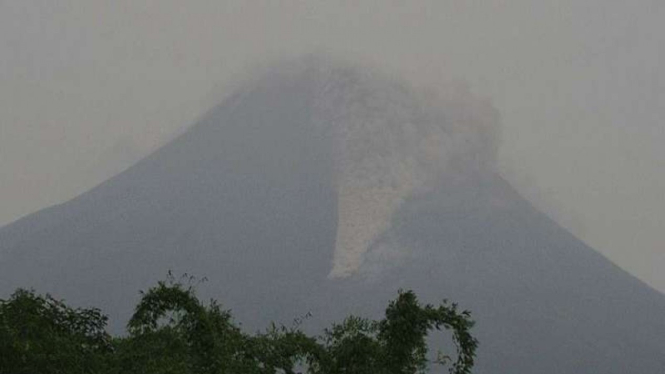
326,188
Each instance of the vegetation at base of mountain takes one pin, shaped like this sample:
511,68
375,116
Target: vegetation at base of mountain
172,331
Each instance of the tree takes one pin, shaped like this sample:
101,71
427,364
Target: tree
396,344
39,334
171,331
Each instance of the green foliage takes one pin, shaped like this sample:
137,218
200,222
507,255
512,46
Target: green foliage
164,351
39,334
397,343
171,331
280,350
352,347
201,339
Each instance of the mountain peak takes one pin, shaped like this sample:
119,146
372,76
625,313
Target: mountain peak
388,140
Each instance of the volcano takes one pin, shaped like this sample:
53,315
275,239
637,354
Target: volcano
323,187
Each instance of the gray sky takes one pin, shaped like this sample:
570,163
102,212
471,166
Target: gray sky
87,87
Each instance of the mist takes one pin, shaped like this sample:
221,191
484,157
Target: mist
88,88
311,159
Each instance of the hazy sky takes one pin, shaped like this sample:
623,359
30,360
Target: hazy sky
87,87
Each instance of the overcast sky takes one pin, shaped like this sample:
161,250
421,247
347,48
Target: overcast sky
87,87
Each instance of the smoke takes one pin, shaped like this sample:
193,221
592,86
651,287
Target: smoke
390,139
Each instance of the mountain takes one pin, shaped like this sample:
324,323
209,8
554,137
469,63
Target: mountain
322,187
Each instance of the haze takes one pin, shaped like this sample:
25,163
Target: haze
88,87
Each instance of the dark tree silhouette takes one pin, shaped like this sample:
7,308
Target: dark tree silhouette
171,331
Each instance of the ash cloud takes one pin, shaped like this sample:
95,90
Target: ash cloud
390,139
